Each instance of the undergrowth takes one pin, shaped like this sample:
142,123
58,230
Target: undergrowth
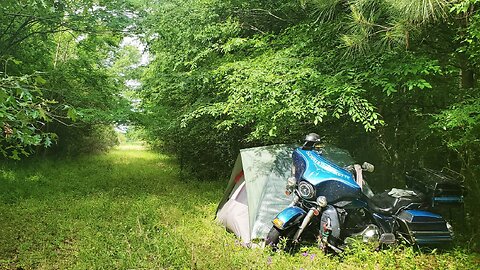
132,209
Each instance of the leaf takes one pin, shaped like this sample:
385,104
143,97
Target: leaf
72,114
47,142
225,111
14,155
42,114
40,80
273,131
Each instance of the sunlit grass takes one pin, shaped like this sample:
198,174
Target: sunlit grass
131,146
132,209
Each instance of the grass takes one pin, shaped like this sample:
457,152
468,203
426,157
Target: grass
132,209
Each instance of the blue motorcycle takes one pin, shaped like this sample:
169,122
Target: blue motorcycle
334,205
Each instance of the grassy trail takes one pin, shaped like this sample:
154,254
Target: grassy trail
131,209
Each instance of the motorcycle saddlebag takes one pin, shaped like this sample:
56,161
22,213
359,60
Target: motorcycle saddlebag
423,228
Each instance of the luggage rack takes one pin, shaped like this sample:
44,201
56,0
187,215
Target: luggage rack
445,187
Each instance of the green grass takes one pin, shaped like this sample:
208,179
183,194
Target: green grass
132,209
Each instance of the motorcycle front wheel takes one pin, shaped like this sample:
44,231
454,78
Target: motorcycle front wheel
275,236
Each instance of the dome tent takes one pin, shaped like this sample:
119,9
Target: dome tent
256,191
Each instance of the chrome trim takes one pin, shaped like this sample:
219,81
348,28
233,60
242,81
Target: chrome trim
387,238
432,232
309,188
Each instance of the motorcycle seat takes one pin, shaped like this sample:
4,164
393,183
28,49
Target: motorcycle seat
389,203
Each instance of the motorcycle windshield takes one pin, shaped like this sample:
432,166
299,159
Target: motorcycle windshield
318,169
339,156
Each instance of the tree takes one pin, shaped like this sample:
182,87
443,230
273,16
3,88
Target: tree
63,81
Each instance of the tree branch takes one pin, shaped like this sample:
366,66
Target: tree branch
12,21
269,13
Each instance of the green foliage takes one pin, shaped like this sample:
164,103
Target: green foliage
23,115
61,76
469,34
270,90
395,82
461,124
217,83
87,138
135,134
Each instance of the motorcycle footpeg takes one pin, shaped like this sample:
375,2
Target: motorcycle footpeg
334,248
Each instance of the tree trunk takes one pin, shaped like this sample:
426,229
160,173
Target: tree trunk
466,71
468,78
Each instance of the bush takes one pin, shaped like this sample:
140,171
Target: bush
81,140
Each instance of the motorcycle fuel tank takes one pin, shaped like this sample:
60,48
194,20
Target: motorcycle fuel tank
328,179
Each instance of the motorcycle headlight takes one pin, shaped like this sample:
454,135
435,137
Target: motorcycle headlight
306,190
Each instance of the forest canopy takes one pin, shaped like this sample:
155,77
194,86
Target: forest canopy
394,80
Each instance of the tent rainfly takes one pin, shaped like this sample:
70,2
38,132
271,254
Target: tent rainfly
256,191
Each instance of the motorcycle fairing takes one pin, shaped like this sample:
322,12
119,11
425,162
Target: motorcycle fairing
329,180
330,219
288,217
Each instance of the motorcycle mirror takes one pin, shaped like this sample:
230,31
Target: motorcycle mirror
368,167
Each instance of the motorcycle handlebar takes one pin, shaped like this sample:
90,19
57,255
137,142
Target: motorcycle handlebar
365,167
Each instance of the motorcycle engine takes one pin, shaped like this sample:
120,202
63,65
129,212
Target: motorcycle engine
358,227
371,234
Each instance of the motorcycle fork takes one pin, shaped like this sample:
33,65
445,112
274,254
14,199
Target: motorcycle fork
304,224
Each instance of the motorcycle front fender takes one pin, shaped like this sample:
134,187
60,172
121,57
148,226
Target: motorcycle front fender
288,217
